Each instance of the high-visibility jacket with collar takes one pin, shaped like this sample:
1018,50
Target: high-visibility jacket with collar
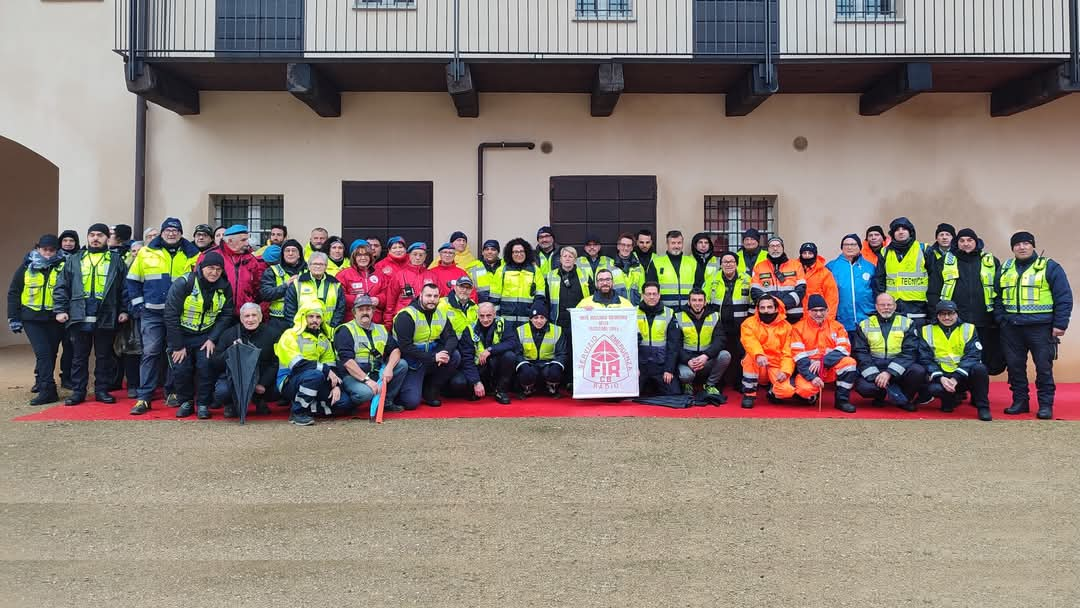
483,275
541,346
730,296
326,291
272,286
194,308
827,343
702,334
494,337
745,267
773,340
546,262
461,314
950,275
90,289
597,300
949,350
590,266
1037,292
659,336
906,279
512,291
333,268
884,345
153,271
675,283
628,279
820,281
30,297
786,281
365,346
301,349
420,334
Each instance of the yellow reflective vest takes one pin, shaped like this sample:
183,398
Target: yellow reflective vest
885,346
948,350
194,316
693,340
37,291
907,279
950,274
1029,293
547,343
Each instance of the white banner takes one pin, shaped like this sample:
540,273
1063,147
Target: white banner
605,357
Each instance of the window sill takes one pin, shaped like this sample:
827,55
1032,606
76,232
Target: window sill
606,18
884,19
360,5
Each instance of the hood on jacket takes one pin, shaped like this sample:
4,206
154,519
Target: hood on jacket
300,320
818,264
781,310
902,222
72,234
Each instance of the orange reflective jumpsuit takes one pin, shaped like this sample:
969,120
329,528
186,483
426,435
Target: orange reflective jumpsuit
773,341
827,344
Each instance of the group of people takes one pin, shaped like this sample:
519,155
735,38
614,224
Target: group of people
894,319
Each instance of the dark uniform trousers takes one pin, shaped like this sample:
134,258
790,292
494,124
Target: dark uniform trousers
1019,340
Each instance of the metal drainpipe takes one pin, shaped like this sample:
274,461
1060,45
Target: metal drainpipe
528,145
1074,39
140,166
457,40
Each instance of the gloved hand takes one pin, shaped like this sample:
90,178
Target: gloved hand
15,326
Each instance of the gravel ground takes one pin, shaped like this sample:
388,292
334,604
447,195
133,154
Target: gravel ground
566,512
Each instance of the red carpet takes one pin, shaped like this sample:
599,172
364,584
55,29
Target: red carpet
1066,407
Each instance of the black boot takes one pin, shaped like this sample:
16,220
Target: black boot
261,409
45,397
501,397
845,406
230,411
75,399
984,414
104,397
1046,412
186,409
203,412
747,402
553,390
1018,408
431,397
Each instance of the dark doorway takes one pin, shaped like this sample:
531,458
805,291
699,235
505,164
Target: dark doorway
259,27
385,209
601,205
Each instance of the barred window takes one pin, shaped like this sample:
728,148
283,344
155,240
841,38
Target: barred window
604,9
856,9
727,216
256,211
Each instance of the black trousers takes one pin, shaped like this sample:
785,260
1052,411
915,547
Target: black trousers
651,381
528,373
733,374
66,355
1019,340
977,382
45,338
496,375
993,355
101,342
911,382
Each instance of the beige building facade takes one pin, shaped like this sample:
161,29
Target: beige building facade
67,148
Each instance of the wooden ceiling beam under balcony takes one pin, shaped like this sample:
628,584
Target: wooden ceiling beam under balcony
1032,91
166,90
896,87
758,84
308,84
607,87
462,91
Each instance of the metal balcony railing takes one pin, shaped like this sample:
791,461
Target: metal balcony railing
552,29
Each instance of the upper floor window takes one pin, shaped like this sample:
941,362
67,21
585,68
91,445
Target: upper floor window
727,217
604,9
865,9
385,4
256,211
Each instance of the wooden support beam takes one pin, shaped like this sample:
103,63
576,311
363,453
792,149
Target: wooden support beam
607,88
1032,91
758,84
164,89
896,87
312,87
462,92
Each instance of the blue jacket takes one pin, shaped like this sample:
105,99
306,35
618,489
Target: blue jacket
152,274
855,284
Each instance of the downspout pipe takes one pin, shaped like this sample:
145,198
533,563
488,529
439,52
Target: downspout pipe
139,215
1074,39
502,145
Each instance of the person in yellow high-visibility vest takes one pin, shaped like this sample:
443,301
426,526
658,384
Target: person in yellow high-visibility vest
30,308
541,353
952,353
903,271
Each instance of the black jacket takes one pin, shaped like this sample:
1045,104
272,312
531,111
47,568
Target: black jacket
174,309
560,356
719,338
972,355
15,307
404,328
1059,287
262,338
896,363
903,250
968,293
269,290
292,304
70,298
672,343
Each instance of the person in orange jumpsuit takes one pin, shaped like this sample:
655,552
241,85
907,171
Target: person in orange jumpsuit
819,279
780,277
768,362
822,354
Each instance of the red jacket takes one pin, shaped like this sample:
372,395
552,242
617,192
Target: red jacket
243,271
404,287
389,265
443,275
362,282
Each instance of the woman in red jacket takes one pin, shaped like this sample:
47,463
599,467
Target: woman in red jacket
396,258
407,283
360,279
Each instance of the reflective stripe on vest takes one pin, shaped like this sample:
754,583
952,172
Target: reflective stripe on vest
1027,293
459,319
675,284
371,350
907,279
309,291
740,299
37,295
882,346
948,350
547,343
426,333
628,284
496,337
194,317
950,274
692,340
554,282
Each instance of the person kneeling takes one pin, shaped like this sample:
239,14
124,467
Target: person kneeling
541,353
306,363
703,353
659,343
765,337
822,353
487,358
366,353
253,332
953,356
428,344
198,308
